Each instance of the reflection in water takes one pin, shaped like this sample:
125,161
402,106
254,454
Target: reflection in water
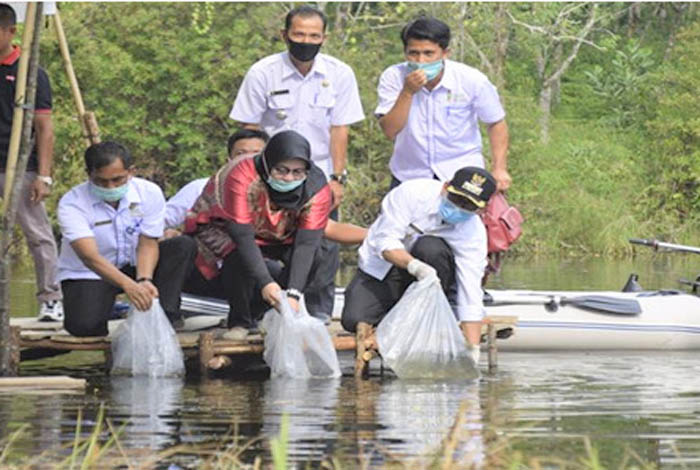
645,401
310,405
417,416
150,407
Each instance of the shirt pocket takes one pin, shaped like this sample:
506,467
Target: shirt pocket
457,117
322,107
280,108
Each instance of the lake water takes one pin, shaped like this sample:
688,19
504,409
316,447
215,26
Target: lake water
642,406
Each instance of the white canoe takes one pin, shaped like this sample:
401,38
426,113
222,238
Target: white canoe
670,322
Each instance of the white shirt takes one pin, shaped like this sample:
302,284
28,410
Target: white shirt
81,214
442,132
277,96
413,206
177,206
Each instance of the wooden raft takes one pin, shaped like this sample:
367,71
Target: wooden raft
201,339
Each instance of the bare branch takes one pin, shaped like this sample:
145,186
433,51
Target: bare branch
574,52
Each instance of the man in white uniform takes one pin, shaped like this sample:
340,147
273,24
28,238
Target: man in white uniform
430,107
110,226
241,144
315,95
425,228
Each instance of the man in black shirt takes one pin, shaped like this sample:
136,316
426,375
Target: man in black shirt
31,213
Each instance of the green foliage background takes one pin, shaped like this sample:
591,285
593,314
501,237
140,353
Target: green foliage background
622,158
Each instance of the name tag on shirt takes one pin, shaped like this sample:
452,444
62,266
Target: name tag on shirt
103,222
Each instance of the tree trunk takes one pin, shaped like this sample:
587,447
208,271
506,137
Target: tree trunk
7,367
502,27
545,109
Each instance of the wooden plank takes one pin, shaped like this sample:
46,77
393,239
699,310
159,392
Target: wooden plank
63,345
238,348
33,335
57,382
80,340
34,324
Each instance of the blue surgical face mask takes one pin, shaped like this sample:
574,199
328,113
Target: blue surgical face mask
284,186
452,214
431,69
109,194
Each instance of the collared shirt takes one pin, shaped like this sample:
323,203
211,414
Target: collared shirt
412,209
177,206
277,96
81,214
442,133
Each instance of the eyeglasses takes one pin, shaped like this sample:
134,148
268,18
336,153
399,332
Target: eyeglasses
462,203
297,173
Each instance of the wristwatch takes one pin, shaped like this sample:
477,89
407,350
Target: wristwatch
341,178
47,180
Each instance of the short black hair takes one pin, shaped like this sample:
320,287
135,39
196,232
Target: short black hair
100,155
304,11
8,17
246,134
427,28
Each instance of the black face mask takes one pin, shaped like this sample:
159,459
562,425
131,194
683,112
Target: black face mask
303,51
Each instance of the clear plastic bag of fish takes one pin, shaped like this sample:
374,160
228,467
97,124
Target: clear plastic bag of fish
298,345
146,344
420,337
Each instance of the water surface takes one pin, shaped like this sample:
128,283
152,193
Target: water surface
540,404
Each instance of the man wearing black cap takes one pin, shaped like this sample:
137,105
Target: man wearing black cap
425,229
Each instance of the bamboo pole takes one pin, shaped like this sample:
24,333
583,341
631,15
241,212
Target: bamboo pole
88,123
15,169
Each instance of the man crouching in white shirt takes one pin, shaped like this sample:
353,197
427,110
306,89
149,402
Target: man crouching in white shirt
425,228
111,225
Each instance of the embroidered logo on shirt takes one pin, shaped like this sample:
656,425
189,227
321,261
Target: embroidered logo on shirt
135,210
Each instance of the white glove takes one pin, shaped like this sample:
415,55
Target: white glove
475,352
421,270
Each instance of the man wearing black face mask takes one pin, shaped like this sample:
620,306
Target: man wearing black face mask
315,95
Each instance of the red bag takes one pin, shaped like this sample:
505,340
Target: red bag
503,223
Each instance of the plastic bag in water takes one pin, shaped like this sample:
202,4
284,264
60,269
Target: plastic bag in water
420,338
298,345
146,344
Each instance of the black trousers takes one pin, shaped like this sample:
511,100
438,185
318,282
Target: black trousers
246,304
87,303
368,299
320,295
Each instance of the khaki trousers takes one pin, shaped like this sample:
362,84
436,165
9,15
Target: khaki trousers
35,225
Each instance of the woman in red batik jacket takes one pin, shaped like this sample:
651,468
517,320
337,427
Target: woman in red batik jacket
258,226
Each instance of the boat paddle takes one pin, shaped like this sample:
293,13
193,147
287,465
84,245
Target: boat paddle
655,244
596,303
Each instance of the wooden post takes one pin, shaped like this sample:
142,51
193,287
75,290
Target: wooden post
15,351
362,354
206,351
88,123
491,346
15,168
109,359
